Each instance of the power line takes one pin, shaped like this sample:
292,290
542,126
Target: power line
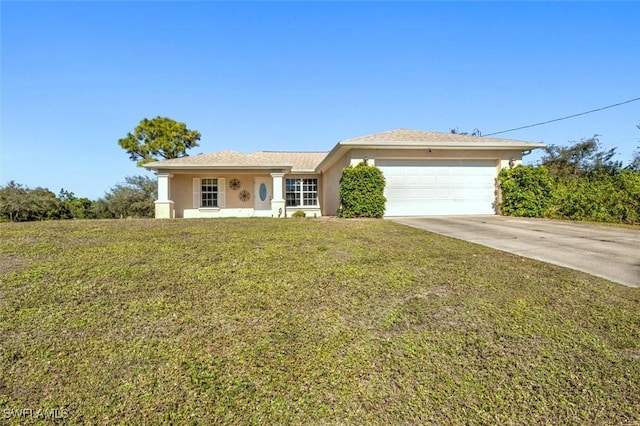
564,118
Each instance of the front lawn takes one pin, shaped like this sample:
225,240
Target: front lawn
309,321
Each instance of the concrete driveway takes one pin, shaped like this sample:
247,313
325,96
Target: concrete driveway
605,251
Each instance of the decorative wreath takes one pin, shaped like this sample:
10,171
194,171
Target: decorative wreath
244,195
234,184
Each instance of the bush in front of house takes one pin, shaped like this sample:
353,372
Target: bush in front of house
299,214
362,192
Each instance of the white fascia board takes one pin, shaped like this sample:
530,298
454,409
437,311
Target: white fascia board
448,145
343,147
217,166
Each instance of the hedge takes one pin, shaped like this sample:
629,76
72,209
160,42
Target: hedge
529,191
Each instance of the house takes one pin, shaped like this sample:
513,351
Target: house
427,173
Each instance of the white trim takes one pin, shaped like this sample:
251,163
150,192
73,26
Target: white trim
210,212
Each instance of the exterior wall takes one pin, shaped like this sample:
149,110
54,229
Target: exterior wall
331,186
181,193
503,156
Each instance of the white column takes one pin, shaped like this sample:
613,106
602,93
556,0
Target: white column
163,186
277,203
164,206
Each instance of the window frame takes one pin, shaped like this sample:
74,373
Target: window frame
209,197
198,193
301,190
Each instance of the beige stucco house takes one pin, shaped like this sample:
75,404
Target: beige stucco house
427,173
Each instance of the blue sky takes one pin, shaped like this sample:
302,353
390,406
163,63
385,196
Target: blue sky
249,76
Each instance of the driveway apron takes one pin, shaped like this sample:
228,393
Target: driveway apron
605,251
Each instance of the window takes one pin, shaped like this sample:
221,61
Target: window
301,192
209,193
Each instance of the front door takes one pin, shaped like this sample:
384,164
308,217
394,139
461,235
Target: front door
263,194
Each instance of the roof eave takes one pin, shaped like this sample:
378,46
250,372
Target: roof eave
217,166
448,145
343,147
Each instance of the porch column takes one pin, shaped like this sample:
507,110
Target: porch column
164,206
277,203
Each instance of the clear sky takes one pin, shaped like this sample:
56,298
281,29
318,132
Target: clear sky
249,76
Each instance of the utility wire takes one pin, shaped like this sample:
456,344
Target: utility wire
564,118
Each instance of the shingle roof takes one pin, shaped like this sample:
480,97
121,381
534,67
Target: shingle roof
316,161
400,136
296,161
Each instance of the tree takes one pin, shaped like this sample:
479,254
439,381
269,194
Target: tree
100,209
159,138
19,203
74,207
14,202
135,198
584,158
44,204
634,165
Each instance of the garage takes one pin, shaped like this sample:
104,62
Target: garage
439,187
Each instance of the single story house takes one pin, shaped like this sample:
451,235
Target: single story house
427,173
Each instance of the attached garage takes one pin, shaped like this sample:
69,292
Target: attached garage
439,187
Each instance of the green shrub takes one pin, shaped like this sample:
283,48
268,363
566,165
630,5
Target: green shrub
599,197
603,198
299,213
362,192
630,184
526,191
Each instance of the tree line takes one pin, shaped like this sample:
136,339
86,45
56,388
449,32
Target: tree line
133,198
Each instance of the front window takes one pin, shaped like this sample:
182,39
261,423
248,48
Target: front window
209,193
301,192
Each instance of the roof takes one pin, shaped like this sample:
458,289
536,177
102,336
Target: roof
419,137
293,161
316,162
414,139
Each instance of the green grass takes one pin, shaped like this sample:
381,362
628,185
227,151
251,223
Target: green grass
251,321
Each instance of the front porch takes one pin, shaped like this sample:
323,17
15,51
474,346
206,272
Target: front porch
228,193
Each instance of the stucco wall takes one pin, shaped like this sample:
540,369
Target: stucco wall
331,186
357,155
181,193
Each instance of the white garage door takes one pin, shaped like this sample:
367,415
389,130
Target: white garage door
438,187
